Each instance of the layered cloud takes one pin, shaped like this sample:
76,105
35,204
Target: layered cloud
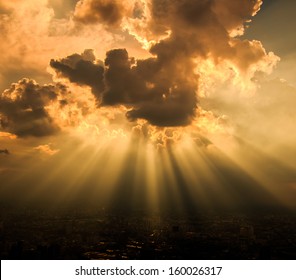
183,37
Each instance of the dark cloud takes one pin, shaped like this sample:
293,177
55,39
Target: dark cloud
82,70
163,89
145,85
203,28
23,108
123,84
109,12
5,151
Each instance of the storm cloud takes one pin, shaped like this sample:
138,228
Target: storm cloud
147,86
23,108
81,70
163,89
108,12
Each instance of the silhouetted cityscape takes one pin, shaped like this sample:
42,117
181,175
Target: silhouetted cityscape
93,234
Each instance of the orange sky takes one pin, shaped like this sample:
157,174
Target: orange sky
194,98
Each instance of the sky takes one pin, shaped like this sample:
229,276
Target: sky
148,104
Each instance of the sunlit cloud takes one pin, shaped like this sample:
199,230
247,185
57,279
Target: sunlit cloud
46,149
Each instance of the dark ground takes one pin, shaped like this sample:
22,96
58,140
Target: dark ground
97,234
